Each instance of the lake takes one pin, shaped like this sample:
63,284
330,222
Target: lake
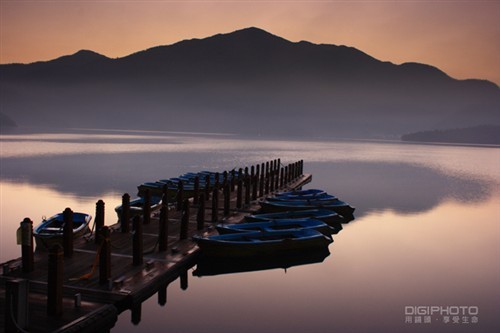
421,255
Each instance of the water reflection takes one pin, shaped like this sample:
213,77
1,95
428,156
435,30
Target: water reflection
207,266
369,186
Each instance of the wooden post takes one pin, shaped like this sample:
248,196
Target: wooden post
105,256
27,246
162,295
215,205
239,193
247,189
180,195
252,171
163,226
233,180
146,209
271,180
285,179
200,216
207,187
16,305
227,199
55,281
217,182
125,215
136,313
185,220
261,183
267,168
68,233
99,220
137,245
224,178
254,181
184,280
266,189
196,194
282,177
277,175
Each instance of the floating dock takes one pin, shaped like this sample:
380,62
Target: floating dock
85,285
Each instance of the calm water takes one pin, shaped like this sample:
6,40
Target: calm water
427,228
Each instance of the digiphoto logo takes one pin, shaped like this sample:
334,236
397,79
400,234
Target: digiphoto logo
450,314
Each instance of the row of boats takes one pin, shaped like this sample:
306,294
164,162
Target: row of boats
288,223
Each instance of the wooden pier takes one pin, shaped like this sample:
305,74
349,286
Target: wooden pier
84,285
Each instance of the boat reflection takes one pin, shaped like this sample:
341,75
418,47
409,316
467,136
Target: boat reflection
208,266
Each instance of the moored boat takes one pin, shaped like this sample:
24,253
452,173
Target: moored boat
337,206
273,225
50,231
137,206
257,243
328,216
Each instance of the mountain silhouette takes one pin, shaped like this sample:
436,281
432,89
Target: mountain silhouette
248,81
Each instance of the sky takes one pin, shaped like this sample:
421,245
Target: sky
461,38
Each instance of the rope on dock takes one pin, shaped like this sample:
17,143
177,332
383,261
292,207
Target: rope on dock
94,265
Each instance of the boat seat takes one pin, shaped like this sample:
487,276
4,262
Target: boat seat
53,229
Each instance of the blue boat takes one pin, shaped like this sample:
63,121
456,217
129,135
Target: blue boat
309,192
274,225
336,205
258,243
137,206
328,216
50,231
305,198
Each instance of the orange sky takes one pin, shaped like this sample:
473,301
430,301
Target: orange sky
460,37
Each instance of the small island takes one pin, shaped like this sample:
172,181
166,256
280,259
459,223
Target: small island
484,134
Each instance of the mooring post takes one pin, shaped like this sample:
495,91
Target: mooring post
233,180
277,174
146,208
217,184
180,195
215,205
282,177
125,214
227,199
137,245
184,280
285,178
200,216
224,178
68,232
27,246
136,314
261,183
16,305
247,189
163,225
105,256
99,220
271,180
196,190
266,189
55,281
239,194
207,187
162,295
254,182
185,220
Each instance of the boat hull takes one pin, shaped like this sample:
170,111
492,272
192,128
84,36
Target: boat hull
50,231
253,244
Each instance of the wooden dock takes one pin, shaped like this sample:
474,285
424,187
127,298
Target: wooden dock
100,281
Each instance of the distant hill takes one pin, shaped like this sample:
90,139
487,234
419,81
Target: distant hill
248,81
486,134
